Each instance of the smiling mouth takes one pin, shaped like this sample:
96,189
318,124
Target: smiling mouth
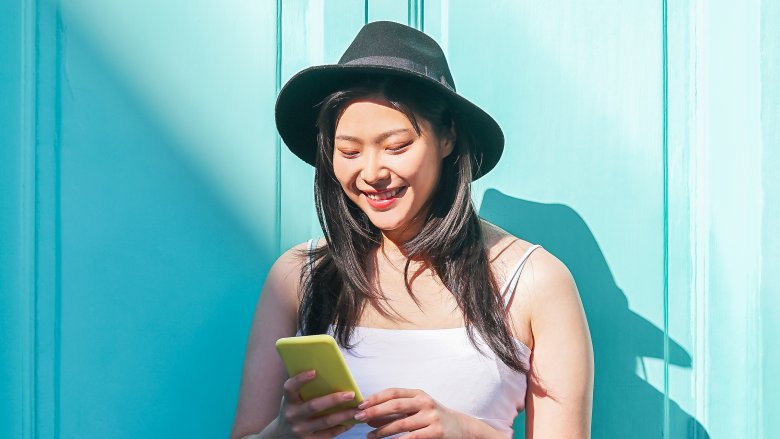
384,195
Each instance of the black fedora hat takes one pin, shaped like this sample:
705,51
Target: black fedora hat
381,48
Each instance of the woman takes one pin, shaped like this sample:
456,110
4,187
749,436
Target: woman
436,316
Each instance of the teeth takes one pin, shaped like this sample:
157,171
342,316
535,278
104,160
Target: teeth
384,195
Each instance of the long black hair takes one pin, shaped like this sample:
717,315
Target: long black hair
340,280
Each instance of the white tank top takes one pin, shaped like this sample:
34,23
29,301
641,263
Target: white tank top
442,363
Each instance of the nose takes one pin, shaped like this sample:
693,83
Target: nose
374,169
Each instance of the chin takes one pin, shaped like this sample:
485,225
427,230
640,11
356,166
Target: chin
390,220
386,225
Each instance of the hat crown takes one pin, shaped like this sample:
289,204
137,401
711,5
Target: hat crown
382,48
394,44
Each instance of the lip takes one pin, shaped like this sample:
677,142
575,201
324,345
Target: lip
386,203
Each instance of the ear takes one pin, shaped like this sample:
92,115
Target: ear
448,142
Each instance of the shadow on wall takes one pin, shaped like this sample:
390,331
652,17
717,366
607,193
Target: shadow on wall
624,404
160,275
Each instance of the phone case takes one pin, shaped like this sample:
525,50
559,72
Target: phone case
321,353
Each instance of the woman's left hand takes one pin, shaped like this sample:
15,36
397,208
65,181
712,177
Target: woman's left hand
400,410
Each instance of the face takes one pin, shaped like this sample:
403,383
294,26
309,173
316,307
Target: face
384,167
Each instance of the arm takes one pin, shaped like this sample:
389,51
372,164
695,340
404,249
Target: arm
264,374
477,429
559,401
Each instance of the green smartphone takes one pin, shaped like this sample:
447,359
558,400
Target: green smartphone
321,353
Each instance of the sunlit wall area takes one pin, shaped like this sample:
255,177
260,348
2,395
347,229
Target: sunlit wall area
144,194
723,68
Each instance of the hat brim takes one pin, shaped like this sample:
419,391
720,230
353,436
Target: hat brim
297,108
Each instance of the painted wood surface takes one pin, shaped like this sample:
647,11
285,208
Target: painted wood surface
145,194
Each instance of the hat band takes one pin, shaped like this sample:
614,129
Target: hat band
405,64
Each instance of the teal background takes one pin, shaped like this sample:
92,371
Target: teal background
144,194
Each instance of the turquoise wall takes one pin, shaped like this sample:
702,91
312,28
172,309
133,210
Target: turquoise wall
144,193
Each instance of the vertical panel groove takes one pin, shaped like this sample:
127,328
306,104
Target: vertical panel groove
414,14
421,14
57,247
36,258
27,211
699,223
665,134
46,193
365,12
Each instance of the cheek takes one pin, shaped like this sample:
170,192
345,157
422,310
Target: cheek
344,173
424,173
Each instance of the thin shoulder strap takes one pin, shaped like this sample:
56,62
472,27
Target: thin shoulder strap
310,264
514,276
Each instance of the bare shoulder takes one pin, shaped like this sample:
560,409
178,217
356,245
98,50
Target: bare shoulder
544,281
547,315
285,275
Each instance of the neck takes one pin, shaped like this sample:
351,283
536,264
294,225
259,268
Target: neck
394,241
394,254
393,247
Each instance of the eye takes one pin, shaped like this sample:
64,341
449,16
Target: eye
400,148
348,153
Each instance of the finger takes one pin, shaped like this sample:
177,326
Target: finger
412,423
292,385
325,422
382,420
388,394
398,406
316,405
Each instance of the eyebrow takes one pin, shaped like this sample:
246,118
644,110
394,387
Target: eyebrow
378,138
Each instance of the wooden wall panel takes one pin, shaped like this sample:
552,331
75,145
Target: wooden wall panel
145,193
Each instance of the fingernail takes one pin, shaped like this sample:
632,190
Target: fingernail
347,396
360,416
310,374
363,405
